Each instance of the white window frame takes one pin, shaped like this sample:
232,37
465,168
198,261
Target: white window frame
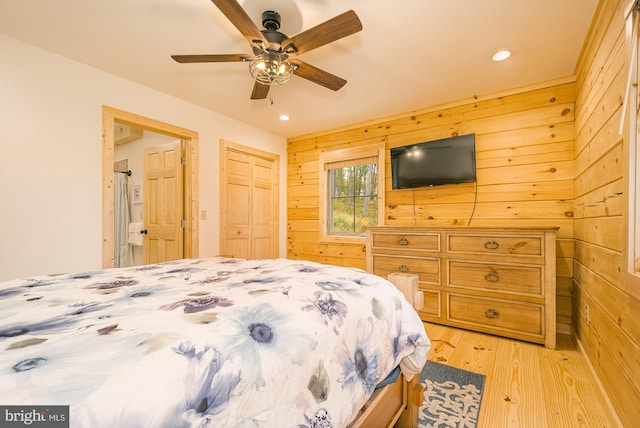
345,156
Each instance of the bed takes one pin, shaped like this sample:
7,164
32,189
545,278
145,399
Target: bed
217,342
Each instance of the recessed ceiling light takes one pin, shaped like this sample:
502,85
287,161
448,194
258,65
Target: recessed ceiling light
284,117
501,55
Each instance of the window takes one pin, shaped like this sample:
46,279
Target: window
352,197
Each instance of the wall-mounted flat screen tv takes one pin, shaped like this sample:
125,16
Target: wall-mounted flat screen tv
433,163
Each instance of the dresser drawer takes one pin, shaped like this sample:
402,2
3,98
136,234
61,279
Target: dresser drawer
427,269
494,280
407,242
496,314
503,278
432,305
495,244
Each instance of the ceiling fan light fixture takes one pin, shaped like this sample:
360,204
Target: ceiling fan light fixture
271,63
270,68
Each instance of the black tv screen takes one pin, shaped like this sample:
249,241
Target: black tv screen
447,161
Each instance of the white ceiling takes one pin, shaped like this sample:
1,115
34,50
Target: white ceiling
411,54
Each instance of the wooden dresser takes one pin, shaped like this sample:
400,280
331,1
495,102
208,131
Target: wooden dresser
493,280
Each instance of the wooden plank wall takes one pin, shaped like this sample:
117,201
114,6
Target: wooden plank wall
525,169
611,340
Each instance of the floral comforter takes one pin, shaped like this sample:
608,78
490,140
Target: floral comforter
206,342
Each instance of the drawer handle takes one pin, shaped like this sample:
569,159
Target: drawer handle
491,277
491,245
403,268
491,313
403,241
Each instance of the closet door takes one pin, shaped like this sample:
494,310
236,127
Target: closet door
249,202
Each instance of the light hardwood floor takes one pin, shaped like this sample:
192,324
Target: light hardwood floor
526,385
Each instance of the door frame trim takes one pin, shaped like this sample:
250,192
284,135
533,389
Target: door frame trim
110,116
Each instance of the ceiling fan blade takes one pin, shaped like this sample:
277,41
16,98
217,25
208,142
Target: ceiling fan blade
209,58
316,75
239,18
336,28
260,91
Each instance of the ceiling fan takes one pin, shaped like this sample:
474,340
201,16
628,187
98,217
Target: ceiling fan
274,57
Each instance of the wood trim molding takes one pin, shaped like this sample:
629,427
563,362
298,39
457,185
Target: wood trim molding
374,151
112,115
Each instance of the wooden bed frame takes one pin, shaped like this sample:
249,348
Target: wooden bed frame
395,405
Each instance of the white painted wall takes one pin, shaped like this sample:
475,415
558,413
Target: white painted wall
50,158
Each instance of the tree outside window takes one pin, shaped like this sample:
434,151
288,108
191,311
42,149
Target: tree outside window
351,192
354,199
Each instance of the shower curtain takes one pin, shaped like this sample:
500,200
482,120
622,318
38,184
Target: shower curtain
122,257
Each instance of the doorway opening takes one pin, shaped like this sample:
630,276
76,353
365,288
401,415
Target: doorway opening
190,225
